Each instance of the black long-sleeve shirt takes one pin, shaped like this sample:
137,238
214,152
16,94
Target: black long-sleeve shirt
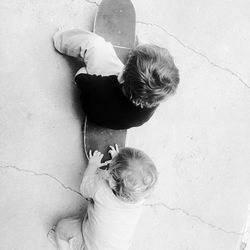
105,104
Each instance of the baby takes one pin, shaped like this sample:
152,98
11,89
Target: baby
115,203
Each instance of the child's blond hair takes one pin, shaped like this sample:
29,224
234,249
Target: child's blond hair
150,75
132,175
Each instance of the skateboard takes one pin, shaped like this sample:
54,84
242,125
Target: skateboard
115,22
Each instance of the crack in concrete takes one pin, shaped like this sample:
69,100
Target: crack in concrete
42,174
92,2
238,77
159,204
176,209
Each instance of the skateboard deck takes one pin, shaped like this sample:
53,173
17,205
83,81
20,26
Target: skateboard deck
115,22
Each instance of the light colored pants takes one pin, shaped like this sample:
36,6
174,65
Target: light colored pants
99,56
68,234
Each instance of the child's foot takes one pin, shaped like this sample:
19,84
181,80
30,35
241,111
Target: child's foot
52,236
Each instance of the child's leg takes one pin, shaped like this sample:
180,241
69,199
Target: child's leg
98,55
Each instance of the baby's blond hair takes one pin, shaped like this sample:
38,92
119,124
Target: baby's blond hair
132,174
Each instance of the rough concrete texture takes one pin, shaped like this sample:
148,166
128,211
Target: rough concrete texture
199,138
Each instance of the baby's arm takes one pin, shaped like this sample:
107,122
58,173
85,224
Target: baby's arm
90,179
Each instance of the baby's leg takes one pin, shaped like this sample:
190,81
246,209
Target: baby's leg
75,244
99,56
62,244
57,241
68,234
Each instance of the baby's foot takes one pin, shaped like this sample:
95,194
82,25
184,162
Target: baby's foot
75,244
52,235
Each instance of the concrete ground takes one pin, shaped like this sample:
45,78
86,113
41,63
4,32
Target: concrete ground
199,138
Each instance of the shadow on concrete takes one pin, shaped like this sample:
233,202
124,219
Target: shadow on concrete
75,65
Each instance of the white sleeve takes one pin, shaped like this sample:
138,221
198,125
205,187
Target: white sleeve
89,185
73,42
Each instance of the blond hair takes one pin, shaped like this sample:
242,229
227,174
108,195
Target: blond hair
150,75
132,174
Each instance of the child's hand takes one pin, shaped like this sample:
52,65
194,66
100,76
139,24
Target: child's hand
96,158
113,151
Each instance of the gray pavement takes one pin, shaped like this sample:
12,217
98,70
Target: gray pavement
199,138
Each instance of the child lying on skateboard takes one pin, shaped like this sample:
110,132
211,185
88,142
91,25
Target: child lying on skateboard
115,202
114,95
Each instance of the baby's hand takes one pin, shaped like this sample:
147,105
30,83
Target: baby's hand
96,158
113,151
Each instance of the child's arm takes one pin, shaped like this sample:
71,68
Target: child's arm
78,43
98,55
90,179
72,42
